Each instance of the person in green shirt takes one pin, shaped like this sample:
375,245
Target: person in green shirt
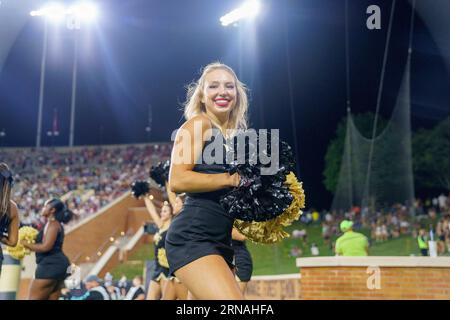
422,241
351,243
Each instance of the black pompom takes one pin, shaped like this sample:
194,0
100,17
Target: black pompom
140,188
260,197
160,173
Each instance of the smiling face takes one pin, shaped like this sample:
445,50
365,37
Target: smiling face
219,92
166,212
47,210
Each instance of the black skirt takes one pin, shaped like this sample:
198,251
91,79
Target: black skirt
159,273
243,261
54,266
202,228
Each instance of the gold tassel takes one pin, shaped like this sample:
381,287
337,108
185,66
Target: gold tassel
156,238
162,258
28,234
271,231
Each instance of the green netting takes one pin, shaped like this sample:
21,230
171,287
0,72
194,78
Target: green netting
385,178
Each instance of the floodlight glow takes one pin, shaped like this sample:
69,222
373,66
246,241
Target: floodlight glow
55,12
249,9
85,11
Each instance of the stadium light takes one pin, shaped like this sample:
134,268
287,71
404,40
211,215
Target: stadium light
2,136
249,9
81,12
55,12
85,11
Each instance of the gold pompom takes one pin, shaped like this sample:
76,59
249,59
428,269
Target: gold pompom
156,238
27,234
271,231
162,258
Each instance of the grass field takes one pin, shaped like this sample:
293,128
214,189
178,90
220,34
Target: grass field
275,259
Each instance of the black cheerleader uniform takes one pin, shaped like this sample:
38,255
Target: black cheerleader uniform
52,264
243,261
4,227
202,227
161,268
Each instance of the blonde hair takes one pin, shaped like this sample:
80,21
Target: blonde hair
5,193
194,106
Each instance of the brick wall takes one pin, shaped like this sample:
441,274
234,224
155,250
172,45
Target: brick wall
273,288
112,262
128,215
418,280
88,237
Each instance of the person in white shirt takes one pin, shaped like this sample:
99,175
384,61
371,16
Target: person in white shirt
442,202
136,292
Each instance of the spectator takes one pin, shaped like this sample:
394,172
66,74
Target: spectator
435,202
123,285
440,238
136,292
351,243
378,232
326,233
300,234
442,200
314,250
422,241
384,232
95,290
295,252
65,294
315,216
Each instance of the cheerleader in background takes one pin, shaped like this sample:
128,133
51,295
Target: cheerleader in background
52,263
161,272
174,289
242,259
9,214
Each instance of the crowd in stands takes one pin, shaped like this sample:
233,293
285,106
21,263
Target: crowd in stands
432,215
95,288
86,178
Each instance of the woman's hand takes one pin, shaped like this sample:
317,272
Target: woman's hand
25,243
235,179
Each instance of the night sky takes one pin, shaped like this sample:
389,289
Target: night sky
144,52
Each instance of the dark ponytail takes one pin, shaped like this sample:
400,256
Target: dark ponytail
6,183
62,214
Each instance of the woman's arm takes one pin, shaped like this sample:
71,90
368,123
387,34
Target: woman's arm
152,210
171,195
140,297
236,235
187,148
48,241
13,230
